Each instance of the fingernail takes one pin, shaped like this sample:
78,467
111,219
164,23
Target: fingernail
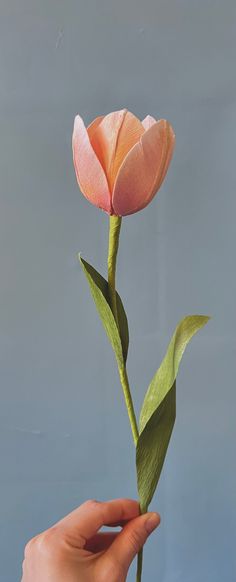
152,522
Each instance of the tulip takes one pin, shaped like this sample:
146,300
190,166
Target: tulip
121,162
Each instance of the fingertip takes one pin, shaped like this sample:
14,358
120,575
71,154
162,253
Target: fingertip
152,522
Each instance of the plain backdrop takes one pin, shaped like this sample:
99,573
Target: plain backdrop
64,432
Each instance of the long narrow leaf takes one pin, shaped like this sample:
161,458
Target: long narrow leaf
119,338
158,412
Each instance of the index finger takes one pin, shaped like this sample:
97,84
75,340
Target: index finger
85,521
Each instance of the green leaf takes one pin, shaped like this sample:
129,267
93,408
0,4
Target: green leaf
123,325
158,412
99,288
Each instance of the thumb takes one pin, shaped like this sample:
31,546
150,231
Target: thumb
132,538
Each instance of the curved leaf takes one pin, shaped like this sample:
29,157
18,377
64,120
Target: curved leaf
123,326
99,288
158,412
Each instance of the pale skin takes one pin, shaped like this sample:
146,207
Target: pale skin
76,551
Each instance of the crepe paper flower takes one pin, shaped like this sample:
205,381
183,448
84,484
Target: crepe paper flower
121,162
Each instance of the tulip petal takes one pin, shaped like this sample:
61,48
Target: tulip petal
113,138
143,169
93,126
148,121
89,172
170,146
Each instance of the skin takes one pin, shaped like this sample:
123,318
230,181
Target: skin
74,550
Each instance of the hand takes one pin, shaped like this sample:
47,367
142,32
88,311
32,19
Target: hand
73,550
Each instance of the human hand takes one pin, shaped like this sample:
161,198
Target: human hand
73,550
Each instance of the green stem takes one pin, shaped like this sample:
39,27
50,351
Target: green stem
129,403
139,566
143,509
114,234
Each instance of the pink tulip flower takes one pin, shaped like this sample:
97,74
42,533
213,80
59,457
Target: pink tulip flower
121,162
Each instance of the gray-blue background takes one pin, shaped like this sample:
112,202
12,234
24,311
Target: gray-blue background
64,434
